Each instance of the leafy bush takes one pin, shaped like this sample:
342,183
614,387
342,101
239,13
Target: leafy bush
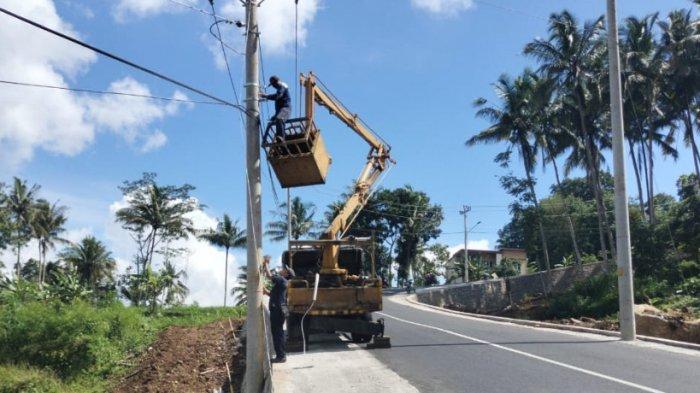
70,339
595,297
19,379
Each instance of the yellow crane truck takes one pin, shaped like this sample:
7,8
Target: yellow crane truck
348,287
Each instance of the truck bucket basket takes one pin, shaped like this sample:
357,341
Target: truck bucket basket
299,156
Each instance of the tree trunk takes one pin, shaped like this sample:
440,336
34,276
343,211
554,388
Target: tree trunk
543,238
689,131
19,248
636,175
574,242
606,224
592,173
652,212
38,277
226,279
151,249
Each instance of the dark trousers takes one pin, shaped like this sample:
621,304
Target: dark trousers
277,317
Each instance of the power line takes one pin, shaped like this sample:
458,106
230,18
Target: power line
218,37
200,10
117,93
118,58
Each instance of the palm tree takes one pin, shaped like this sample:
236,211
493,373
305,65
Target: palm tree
227,235
157,213
552,134
47,226
172,285
239,291
644,86
302,221
91,260
680,48
512,122
20,204
575,57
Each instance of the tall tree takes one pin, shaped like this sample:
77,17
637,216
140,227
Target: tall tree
643,66
512,123
156,214
575,58
680,42
48,226
302,221
227,235
92,262
19,201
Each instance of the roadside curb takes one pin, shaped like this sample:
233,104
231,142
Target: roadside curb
681,344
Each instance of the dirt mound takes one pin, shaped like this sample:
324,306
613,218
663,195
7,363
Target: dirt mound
190,359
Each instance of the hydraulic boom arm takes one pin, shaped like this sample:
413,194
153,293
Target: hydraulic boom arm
377,162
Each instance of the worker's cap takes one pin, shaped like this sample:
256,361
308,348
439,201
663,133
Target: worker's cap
274,79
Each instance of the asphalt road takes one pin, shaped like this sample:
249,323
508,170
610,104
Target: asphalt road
442,352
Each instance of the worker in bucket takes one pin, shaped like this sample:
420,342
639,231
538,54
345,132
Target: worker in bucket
283,105
278,306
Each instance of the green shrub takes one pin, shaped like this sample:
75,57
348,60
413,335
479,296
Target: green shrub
70,339
595,297
19,379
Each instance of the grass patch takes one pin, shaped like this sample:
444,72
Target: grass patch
595,297
22,379
80,347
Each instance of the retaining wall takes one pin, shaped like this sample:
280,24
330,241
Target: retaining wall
493,295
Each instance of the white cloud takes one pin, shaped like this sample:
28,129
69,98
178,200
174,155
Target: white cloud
142,8
154,141
55,121
28,120
276,20
443,7
131,117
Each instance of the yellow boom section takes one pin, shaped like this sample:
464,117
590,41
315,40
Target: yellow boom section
377,161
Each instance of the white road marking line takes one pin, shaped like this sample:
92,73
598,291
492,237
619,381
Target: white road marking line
543,359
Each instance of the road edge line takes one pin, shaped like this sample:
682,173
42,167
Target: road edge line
533,356
538,324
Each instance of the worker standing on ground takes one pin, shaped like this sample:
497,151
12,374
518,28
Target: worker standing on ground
278,307
283,104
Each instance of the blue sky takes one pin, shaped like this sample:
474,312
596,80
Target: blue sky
410,68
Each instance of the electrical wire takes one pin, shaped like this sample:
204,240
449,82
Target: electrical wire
229,47
200,10
118,93
117,58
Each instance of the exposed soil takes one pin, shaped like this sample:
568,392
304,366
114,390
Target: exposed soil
190,359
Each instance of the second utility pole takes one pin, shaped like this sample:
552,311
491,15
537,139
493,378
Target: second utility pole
466,209
255,346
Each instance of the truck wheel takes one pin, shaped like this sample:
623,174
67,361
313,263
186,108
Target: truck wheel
294,339
359,338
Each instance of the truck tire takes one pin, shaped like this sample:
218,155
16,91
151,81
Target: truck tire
359,338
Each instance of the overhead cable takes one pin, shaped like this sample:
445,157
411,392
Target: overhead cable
118,58
117,93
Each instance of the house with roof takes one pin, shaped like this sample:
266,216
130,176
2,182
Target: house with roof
488,259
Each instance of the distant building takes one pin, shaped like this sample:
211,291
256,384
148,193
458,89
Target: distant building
488,259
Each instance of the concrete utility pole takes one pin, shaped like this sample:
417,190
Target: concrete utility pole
624,257
254,321
466,209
